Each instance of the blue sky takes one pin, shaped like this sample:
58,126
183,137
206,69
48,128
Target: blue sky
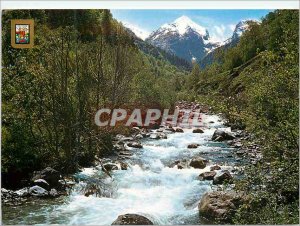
219,23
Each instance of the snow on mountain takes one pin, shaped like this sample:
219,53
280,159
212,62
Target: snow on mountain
182,25
184,38
187,39
240,28
139,32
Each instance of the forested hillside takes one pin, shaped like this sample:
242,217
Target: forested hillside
82,60
160,54
256,85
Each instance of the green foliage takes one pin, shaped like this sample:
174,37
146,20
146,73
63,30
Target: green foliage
272,195
264,209
232,58
194,76
82,60
257,85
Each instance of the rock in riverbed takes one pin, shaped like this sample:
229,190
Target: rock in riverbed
9,197
207,175
53,193
221,135
50,175
38,191
170,129
154,136
134,145
124,166
110,166
215,167
163,136
42,183
20,196
198,163
219,206
192,145
22,192
139,136
157,136
198,130
132,219
178,130
223,177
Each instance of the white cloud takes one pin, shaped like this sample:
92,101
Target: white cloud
218,32
220,29
231,27
222,32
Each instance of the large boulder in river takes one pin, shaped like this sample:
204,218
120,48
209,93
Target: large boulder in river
139,136
198,163
223,177
219,207
38,191
42,183
132,219
198,130
215,167
178,130
192,145
134,145
207,175
221,135
110,166
124,166
50,175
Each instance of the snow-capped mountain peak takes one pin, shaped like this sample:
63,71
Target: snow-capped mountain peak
184,38
139,32
241,27
183,24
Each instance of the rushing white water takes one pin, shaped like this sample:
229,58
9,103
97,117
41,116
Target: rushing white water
149,187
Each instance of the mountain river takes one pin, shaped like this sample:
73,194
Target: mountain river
151,186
